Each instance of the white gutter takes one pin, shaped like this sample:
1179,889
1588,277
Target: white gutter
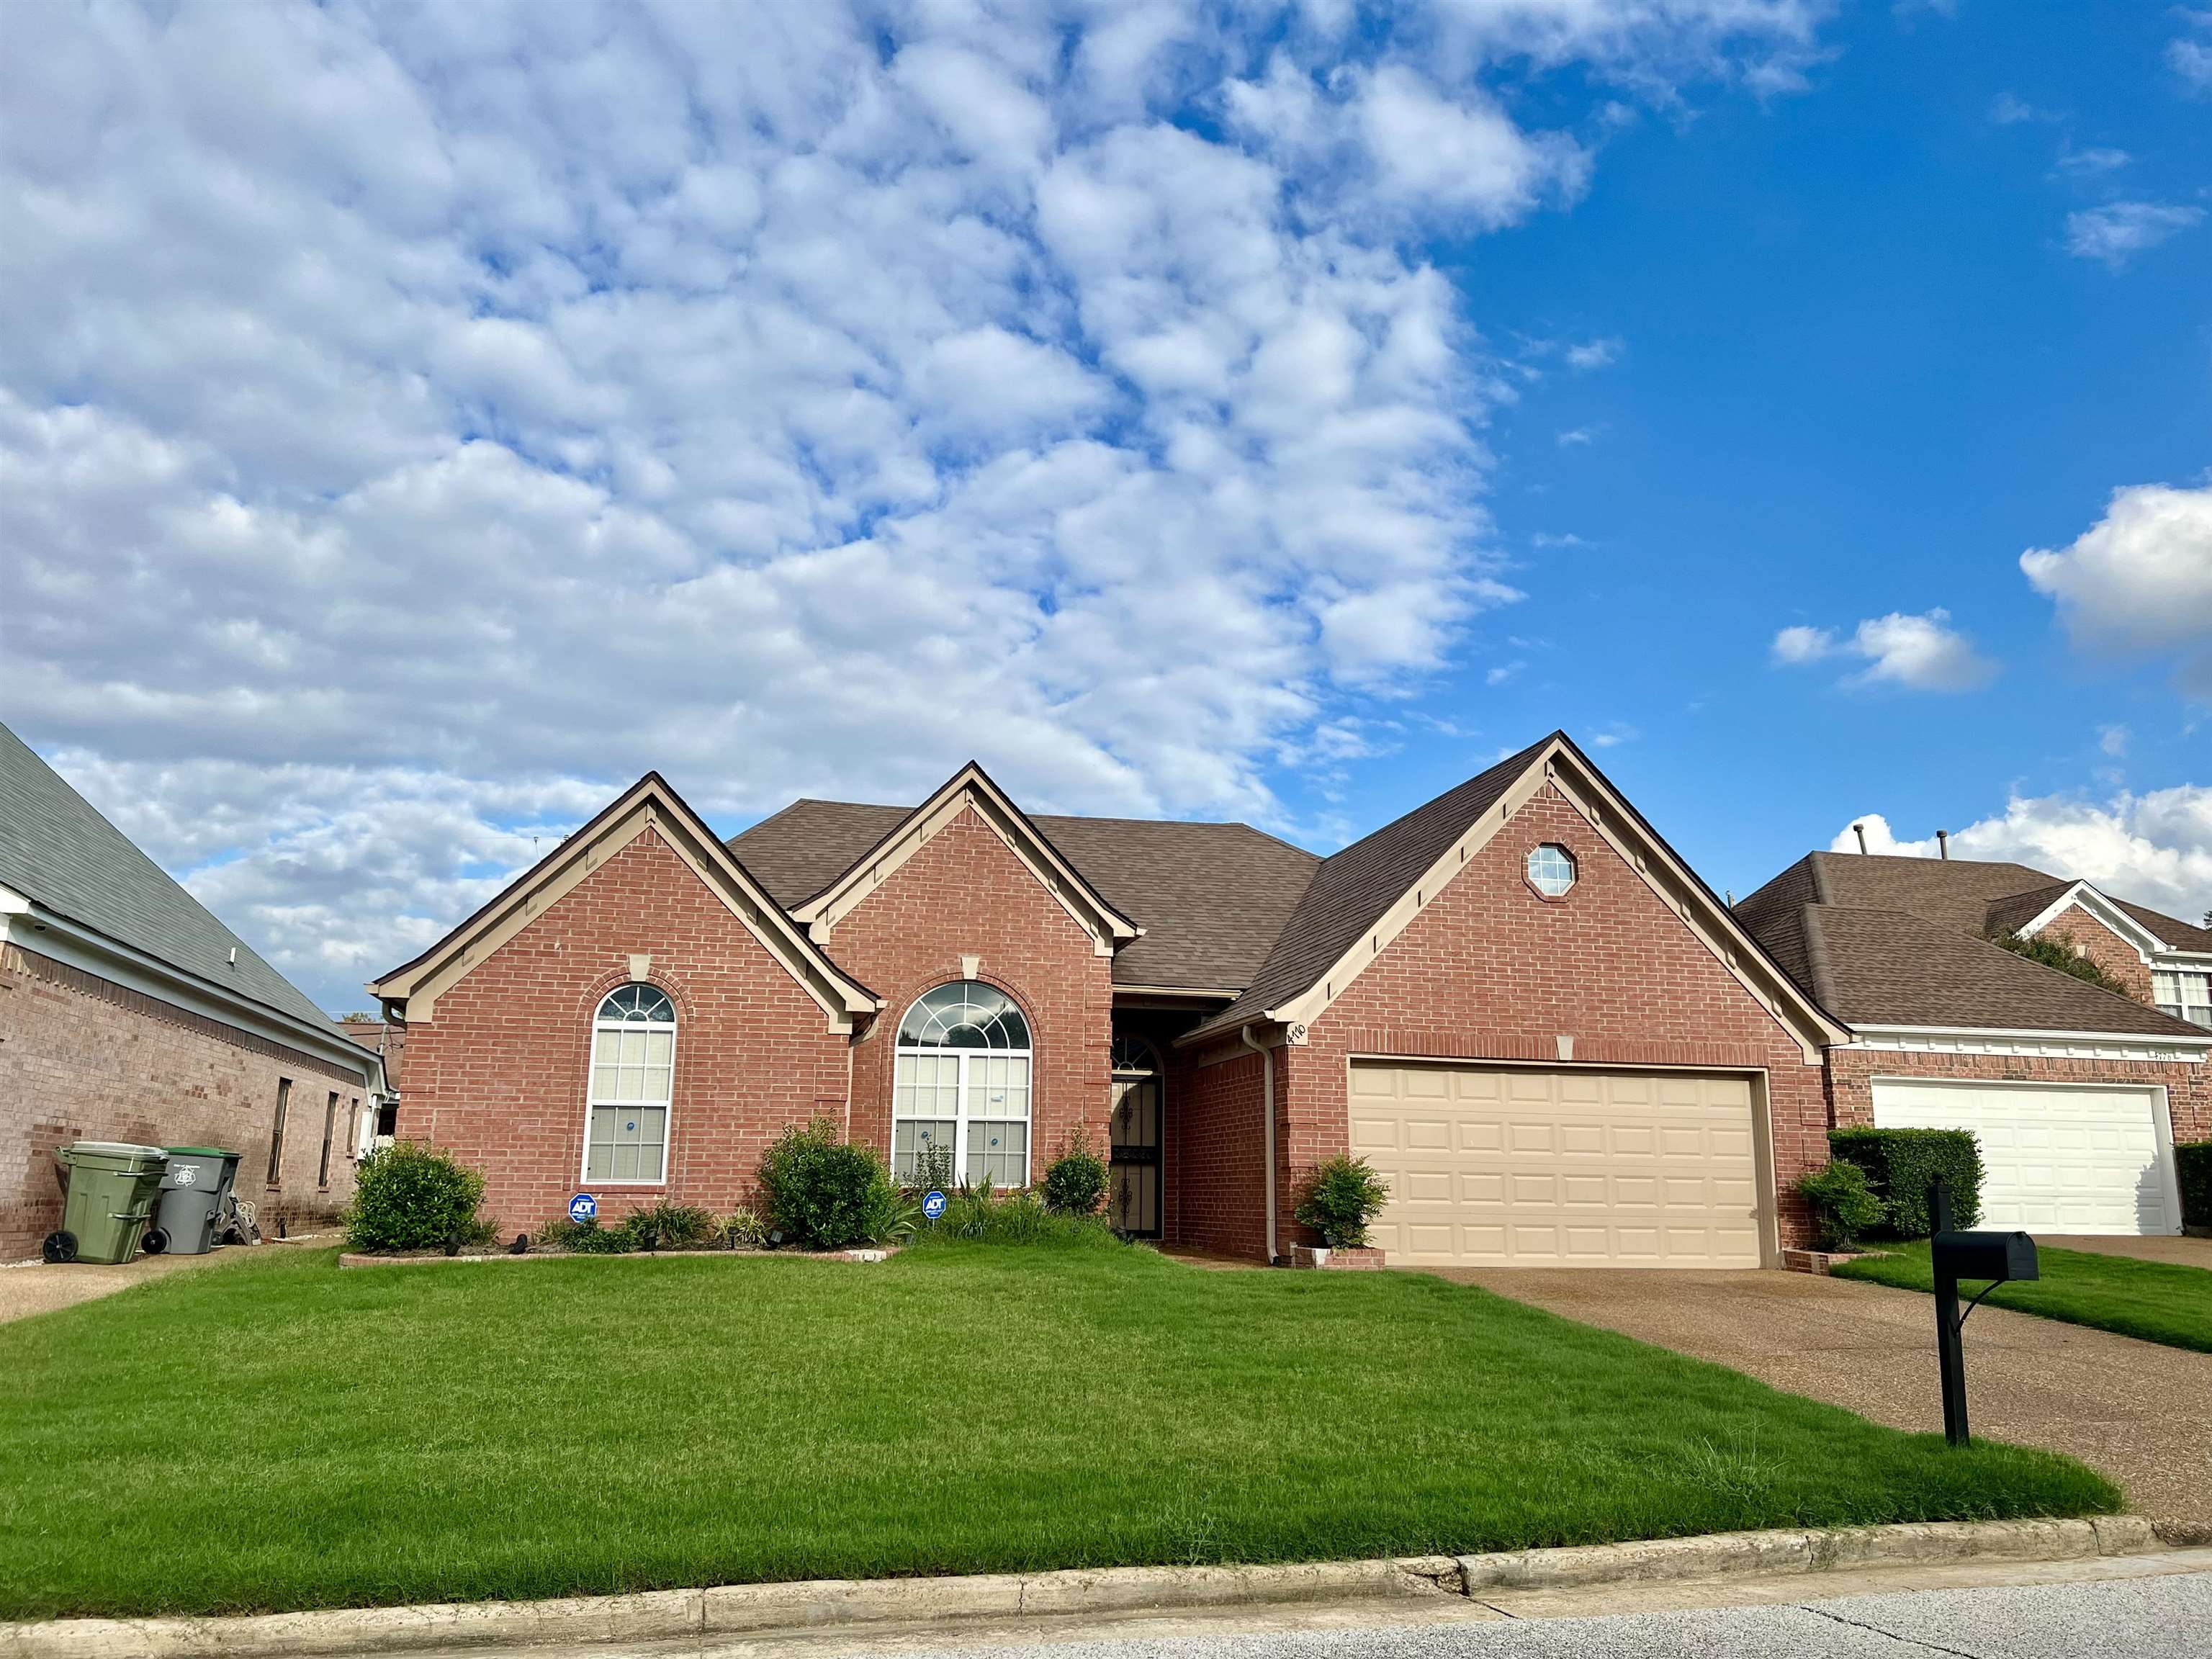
1267,1097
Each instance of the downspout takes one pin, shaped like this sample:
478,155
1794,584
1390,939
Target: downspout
1268,1098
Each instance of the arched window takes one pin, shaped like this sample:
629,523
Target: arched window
633,1072
962,1081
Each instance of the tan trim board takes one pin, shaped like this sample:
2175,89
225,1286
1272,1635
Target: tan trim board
1560,765
649,804
971,789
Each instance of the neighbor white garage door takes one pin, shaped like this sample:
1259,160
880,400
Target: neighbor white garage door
2060,1160
1503,1167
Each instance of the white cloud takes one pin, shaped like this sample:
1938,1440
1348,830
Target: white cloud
2095,159
2113,741
2154,849
1594,353
2118,231
428,423
2189,56
1922,653
2138,582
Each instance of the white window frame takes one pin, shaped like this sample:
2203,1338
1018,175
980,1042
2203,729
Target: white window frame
963,1119
1566,856
592,1102
2181,979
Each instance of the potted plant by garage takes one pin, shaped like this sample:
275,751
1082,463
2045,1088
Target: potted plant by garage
1338,1199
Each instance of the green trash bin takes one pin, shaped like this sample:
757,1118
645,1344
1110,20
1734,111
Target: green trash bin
190,1205
111,1198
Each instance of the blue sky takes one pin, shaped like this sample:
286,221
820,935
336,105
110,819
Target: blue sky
417,424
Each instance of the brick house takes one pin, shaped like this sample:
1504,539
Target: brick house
2077,1094
128,1012
1551,1038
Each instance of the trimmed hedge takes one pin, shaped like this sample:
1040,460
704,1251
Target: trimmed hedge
2192,1160
408,1196
1900,1163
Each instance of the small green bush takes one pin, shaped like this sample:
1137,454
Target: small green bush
586,1237
1901,1163
1075,1182
824,1193
2055,952
745,1231
1338,1199
1843,1202
932,1169
978,1215
665,1226
2193,1161
409,1197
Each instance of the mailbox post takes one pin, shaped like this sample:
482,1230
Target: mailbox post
1955,1255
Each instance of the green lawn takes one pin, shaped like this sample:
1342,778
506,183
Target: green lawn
2158,1301
277,1434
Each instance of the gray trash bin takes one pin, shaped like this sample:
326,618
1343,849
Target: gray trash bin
192,1190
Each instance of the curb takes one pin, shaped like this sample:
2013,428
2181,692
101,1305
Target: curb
759,1609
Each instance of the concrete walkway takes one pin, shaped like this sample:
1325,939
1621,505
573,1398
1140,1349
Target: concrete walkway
34,1287
2140,1412
2182,1252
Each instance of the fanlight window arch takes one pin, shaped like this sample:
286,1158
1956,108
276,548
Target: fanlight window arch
961,1083
1133,1057
632,1082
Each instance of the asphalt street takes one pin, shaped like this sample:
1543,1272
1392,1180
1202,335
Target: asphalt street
2158,1617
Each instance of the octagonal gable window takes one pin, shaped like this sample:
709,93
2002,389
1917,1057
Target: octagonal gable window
1552,869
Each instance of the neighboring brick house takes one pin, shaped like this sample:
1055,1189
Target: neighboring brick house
128,1012
1550,1036
2077,1094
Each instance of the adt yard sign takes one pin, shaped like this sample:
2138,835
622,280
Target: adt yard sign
933,1206
583,1207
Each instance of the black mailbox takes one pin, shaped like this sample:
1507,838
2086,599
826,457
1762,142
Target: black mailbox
1984,1256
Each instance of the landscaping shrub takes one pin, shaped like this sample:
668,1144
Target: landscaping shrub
979,1215
586,1238
891,1215
1338,1199
2193,1161
745,1231
932,1169
824,1193
1843,1202
408,1196
1075,1183
1900,1163
665,1226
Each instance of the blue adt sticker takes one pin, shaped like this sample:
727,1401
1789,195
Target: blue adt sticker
933,1206
583,1207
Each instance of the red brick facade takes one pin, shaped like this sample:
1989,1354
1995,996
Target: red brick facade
2188,1085
498,1074
2093,939
1491,969
964,893
84,1059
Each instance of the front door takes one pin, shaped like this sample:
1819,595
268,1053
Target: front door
1133,1187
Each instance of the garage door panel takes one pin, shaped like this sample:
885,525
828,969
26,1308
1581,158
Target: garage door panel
1566,1167
2087,1159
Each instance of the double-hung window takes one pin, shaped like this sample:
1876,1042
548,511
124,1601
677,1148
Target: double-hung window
632,1078
962,1081
2185,993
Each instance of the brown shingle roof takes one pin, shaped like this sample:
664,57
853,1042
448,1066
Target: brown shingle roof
1212,897
1352,888
2173,930
1887,968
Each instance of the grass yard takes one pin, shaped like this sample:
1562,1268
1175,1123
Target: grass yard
414,1434
2158,1301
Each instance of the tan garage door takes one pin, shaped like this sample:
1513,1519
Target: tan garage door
1500,1167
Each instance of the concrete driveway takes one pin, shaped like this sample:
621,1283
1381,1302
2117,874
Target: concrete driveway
2140,1412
